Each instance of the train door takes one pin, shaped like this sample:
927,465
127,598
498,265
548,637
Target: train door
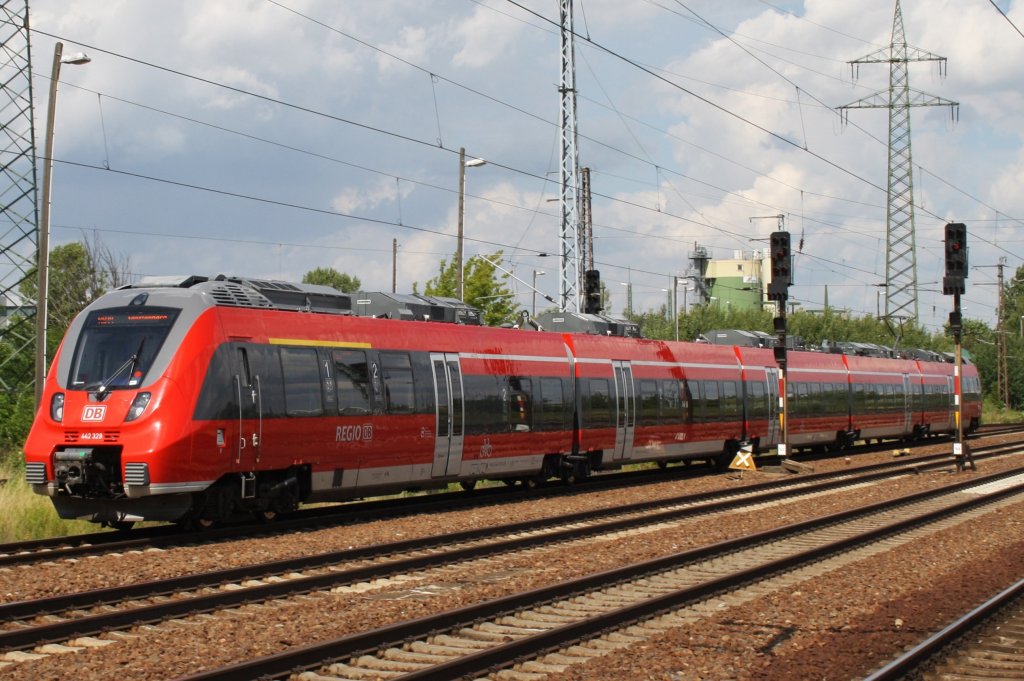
449,414
774,431
249,398
625,420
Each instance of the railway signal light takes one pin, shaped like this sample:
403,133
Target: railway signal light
592,292
782,265
780,342
956,323
956,259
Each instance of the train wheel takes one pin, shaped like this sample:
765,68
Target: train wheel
663,465
204,523
533,482
121,525
468,485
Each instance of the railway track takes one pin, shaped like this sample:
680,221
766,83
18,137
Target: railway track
169,536
986,643
548,629
25,625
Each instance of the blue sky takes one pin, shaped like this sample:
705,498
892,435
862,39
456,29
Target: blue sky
268,137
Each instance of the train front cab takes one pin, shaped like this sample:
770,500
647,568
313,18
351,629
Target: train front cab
110,441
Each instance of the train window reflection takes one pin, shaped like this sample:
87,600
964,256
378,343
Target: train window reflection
302,393
352,378
398,383
117,347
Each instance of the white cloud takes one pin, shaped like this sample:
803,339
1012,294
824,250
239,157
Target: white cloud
717,165
485,37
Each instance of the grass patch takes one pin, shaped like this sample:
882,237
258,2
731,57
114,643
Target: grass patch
993,411
27,515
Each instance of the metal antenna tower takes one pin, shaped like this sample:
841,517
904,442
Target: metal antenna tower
900,247
19,225
569,263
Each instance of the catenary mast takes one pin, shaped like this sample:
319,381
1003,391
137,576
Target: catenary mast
18,206
569,257
901,250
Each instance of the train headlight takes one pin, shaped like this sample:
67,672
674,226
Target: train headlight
57,407
138,407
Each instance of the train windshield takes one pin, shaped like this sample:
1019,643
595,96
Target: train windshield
117,347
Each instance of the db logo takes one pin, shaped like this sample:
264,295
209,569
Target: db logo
363,433
94,412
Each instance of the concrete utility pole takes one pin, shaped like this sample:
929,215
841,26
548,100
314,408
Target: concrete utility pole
43,256
900,249
459,249
1003,373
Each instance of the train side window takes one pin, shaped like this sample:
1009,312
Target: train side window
730,401
352,379
399,389
648,402
552,395
672,402
303,395
814,394
245,374
484,408
712,404
520,414
757,398
601,411
696,398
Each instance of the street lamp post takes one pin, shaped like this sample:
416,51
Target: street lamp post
629,297
534,307
43,249
463,164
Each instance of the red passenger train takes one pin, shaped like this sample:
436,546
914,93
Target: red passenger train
203,400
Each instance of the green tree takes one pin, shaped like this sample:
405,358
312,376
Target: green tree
79,273
985,349
485,287
328,276
77,276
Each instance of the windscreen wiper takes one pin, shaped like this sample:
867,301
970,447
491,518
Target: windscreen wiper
129,364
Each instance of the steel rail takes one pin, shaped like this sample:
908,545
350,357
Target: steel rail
713,501
120,619
165,536
922,652
311,656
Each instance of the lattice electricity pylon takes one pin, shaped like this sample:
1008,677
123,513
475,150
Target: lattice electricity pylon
18,206
900,247
569,233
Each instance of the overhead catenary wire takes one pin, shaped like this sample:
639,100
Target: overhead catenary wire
696,223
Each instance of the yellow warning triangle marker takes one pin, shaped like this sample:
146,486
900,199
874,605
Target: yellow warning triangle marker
744,461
